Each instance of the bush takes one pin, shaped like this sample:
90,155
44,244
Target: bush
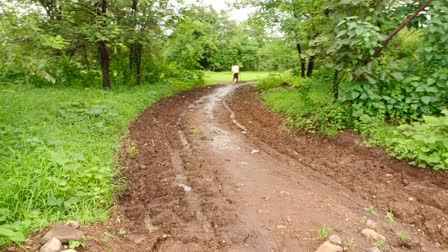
368,109
423,143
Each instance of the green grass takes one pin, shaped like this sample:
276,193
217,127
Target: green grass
302,99
323,232
58,152
216,77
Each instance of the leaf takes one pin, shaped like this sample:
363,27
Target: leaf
53,201
59,157
341,33
95,111
71,201
426,99
397,76
12,235
355,94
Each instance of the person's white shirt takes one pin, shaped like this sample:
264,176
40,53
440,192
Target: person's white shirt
235,69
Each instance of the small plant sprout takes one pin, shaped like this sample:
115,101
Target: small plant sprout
371,210
121,232
194,132
381,244
132,149
323,232
72,244
404,238
390,216
350,243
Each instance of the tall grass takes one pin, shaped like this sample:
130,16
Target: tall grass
57,152
217,77
302,97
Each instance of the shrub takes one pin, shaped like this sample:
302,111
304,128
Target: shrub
423,143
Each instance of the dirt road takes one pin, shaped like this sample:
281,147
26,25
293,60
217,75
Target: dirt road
216,171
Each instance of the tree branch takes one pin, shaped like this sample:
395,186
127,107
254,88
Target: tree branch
421,7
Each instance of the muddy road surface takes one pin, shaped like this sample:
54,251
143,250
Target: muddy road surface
216,171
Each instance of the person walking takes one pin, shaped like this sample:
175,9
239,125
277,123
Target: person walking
236,73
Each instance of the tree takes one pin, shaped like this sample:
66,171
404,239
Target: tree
102,43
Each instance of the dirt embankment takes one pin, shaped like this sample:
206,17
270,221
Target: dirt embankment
415,196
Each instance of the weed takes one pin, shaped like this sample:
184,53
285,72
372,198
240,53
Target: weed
323,232
194,132
381,244
132,149
404,238
350,243
76,244
121,232
371,210
390,217
107,236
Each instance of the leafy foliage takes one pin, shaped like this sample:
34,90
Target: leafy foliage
425,143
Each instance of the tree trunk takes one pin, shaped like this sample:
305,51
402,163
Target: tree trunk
104,54
135,52
309,71
86,57
104,59
302,62
420,8
336,85
138,63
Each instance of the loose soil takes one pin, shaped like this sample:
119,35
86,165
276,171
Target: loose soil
217,171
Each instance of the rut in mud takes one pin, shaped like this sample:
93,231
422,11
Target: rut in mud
216,171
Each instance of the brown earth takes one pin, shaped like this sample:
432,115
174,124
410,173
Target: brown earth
216,171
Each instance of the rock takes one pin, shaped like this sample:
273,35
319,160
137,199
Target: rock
373,249
63,233
329,247
335,239
136,238
371,224
371,234
405,182
52,245
73,224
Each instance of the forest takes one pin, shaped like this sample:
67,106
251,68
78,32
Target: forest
74,75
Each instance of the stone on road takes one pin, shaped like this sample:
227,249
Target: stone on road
52,245
329,247
63,233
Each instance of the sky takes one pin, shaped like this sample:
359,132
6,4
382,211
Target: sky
219,5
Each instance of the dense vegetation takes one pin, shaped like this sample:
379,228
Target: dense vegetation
381,64
73,74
